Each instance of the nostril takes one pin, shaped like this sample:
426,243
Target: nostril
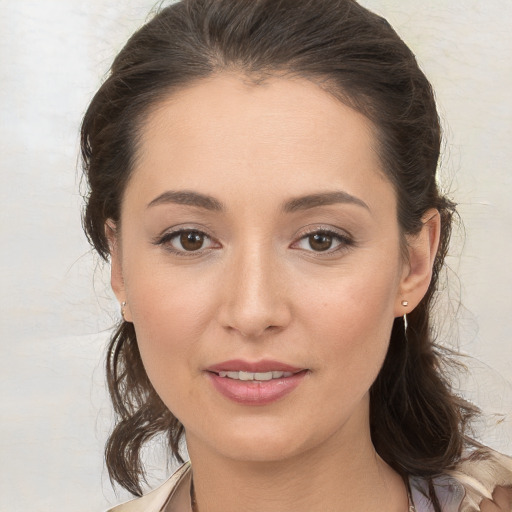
253,331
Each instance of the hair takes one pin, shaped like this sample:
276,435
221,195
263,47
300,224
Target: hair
418,425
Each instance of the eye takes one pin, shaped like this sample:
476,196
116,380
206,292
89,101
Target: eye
322,240
190,240
186,241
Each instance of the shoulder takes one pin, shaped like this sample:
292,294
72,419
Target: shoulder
155,500
464,488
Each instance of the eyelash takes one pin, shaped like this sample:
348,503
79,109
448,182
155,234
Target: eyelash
344,241
167,237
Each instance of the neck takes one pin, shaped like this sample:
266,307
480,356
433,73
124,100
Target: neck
343,474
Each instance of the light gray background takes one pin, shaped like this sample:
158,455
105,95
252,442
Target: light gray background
55,303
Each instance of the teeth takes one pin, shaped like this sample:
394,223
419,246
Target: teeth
255,375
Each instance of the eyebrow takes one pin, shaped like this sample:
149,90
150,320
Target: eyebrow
323,199
188,198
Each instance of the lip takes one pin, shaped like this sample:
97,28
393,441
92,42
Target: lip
265,365
255,392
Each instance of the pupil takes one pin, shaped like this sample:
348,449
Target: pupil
191,240
320,242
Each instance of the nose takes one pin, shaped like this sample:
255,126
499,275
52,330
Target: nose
255,294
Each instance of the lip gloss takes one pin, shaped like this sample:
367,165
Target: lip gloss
256,392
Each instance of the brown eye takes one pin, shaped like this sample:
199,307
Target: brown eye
192,240
323,241
187,242
320,241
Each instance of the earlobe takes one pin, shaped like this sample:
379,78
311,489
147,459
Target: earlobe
422,250
116,271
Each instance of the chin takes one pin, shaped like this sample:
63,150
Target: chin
257,440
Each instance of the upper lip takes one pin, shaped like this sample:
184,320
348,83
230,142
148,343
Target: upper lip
263,366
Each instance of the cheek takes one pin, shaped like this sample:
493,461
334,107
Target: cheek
351,299
170,312
165,298
352,321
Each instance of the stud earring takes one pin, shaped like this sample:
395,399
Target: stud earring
123,306
405,303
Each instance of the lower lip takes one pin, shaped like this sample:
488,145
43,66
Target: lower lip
256,392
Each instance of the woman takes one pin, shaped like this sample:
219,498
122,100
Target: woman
262,178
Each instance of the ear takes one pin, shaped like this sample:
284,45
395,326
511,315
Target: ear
116,270
417,272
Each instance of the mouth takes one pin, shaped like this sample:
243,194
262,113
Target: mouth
257,383
255,376
264,366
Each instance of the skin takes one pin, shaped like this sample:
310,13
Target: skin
501,501
257,289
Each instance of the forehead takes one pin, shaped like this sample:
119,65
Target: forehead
282,133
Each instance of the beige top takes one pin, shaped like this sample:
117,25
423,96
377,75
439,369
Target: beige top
460,490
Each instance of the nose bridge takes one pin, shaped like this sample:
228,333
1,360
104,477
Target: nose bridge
255,298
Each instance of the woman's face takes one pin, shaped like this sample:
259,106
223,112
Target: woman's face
259,235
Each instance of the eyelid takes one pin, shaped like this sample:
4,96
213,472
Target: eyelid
346,240
164,238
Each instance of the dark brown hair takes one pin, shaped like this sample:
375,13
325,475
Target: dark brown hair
418,425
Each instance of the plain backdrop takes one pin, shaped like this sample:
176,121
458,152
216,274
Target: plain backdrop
56,306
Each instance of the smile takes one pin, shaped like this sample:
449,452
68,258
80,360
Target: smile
259,376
